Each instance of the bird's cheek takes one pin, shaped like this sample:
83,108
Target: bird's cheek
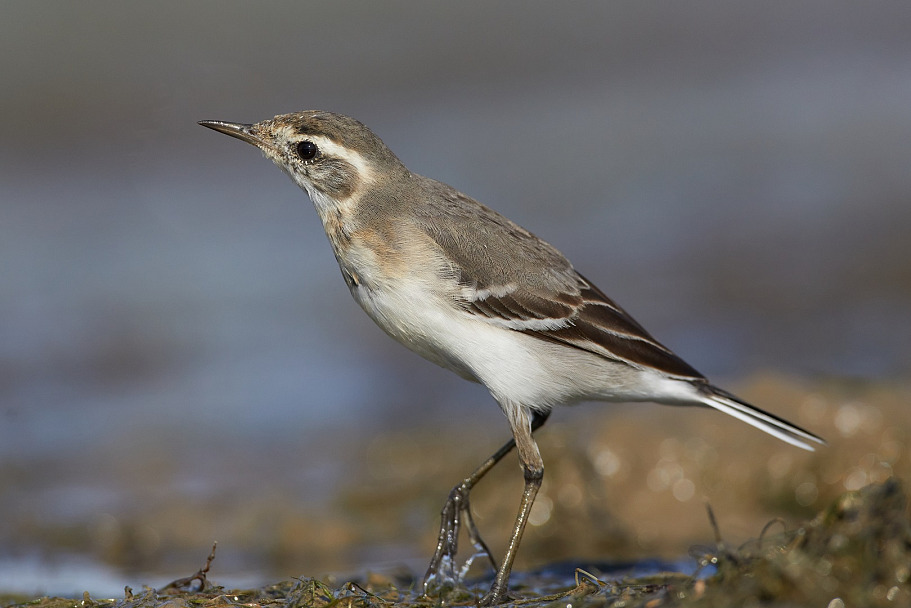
338,183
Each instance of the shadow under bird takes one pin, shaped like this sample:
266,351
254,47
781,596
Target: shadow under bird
468,289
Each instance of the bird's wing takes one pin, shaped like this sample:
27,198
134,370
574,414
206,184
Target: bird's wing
587,320
509,277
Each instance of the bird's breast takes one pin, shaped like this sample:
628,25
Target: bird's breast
414,316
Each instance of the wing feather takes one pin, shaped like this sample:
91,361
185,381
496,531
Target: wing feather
594,324
509,277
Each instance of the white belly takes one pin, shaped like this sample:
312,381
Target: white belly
409,303
517,368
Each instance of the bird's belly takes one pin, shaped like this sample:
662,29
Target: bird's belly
517,368
417,321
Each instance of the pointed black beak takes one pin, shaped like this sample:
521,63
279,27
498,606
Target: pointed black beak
234,129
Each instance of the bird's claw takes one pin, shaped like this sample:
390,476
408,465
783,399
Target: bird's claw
443,571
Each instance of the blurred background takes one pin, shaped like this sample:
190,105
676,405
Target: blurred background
180,361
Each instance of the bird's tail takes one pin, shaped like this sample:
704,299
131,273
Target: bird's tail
773,425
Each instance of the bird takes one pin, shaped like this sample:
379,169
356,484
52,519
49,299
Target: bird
470,290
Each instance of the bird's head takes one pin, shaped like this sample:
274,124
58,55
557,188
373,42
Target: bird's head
333,157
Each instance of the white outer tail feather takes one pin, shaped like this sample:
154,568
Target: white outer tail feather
763,421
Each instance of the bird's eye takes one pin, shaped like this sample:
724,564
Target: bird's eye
307,150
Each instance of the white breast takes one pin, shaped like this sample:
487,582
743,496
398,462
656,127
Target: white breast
516,368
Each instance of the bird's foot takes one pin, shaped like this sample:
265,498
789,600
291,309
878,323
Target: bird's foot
496,596
443,571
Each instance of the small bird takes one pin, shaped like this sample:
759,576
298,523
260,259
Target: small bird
470,290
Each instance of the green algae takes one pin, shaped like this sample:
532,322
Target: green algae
855,552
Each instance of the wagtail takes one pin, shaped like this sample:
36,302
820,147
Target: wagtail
468,289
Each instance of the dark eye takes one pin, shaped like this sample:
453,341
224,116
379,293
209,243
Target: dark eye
307,150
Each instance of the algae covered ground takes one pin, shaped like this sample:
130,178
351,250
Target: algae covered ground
857,552
762,523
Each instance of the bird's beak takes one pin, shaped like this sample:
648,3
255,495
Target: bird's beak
234,129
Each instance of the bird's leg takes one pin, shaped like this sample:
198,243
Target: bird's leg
442,568
533,469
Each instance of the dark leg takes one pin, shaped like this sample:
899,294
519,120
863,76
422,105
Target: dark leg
533,469
442,565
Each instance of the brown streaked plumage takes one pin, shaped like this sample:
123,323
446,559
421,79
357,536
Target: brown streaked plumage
470,290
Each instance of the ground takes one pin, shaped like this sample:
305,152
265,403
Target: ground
788,528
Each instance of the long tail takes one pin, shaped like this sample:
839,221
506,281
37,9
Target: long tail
773,425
